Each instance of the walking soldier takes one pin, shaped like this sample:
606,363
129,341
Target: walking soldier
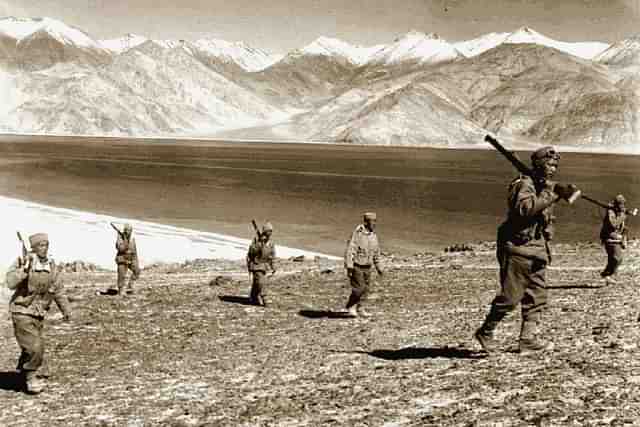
36,282
523,251
126,258
260,257
362,252
613,236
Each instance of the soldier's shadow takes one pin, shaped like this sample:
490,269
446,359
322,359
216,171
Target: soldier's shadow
560,287
425,353
12,381
235,299
326,314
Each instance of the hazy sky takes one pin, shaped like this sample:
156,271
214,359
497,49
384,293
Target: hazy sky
281,25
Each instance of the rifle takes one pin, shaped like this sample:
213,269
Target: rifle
120,233
632,212
25,253
255,227
521,167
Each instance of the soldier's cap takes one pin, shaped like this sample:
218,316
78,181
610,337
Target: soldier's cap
369,215
619,200
267,227
128,226
37,238
544,153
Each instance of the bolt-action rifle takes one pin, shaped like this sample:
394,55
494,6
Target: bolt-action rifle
120,232
24,261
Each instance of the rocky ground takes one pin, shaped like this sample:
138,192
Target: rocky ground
187,350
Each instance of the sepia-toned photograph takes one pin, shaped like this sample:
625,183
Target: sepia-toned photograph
319,213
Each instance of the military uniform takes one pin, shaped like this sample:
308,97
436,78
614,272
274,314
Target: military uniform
127,259
523,254
260,258
361,254
35,289
612,237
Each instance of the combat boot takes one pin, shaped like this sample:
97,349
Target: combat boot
484,334
528,342
362,312
34,384
352,312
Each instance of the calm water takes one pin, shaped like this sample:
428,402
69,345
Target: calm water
314,194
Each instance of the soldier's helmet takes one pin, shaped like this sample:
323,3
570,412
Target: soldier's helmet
619,200
128,228
267,227
544,154
369,216
38,238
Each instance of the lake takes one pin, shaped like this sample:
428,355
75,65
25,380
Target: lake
314,194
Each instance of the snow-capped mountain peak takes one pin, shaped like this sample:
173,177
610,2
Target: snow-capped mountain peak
622,52
416,46
20,28
327,46
247,57
586,50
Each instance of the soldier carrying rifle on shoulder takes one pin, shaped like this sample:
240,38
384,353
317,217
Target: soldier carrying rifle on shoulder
260,258
36,283
126,258
523,250
613,235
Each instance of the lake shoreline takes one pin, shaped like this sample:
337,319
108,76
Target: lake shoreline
204,140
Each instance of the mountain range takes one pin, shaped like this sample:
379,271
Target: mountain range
419,89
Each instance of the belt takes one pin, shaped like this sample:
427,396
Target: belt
362,265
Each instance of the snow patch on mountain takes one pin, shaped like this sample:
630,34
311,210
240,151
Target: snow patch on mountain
20,28
586,50
327,46
624,52
247,57
416,46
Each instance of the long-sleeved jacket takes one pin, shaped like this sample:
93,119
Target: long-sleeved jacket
35,289
127,251
613,227
530,215
261,255
363,248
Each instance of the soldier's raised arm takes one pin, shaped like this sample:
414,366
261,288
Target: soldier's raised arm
15,275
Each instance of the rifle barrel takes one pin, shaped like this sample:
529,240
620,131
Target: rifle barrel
596,202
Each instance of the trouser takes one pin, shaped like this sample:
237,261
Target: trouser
614,258
258,286
28,332
522,281
122,274
360,286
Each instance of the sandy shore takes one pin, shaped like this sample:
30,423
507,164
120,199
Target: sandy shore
76,235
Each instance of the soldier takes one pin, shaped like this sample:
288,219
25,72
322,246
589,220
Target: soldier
261,255
361,254
612,236
523,252
127,259
36,282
